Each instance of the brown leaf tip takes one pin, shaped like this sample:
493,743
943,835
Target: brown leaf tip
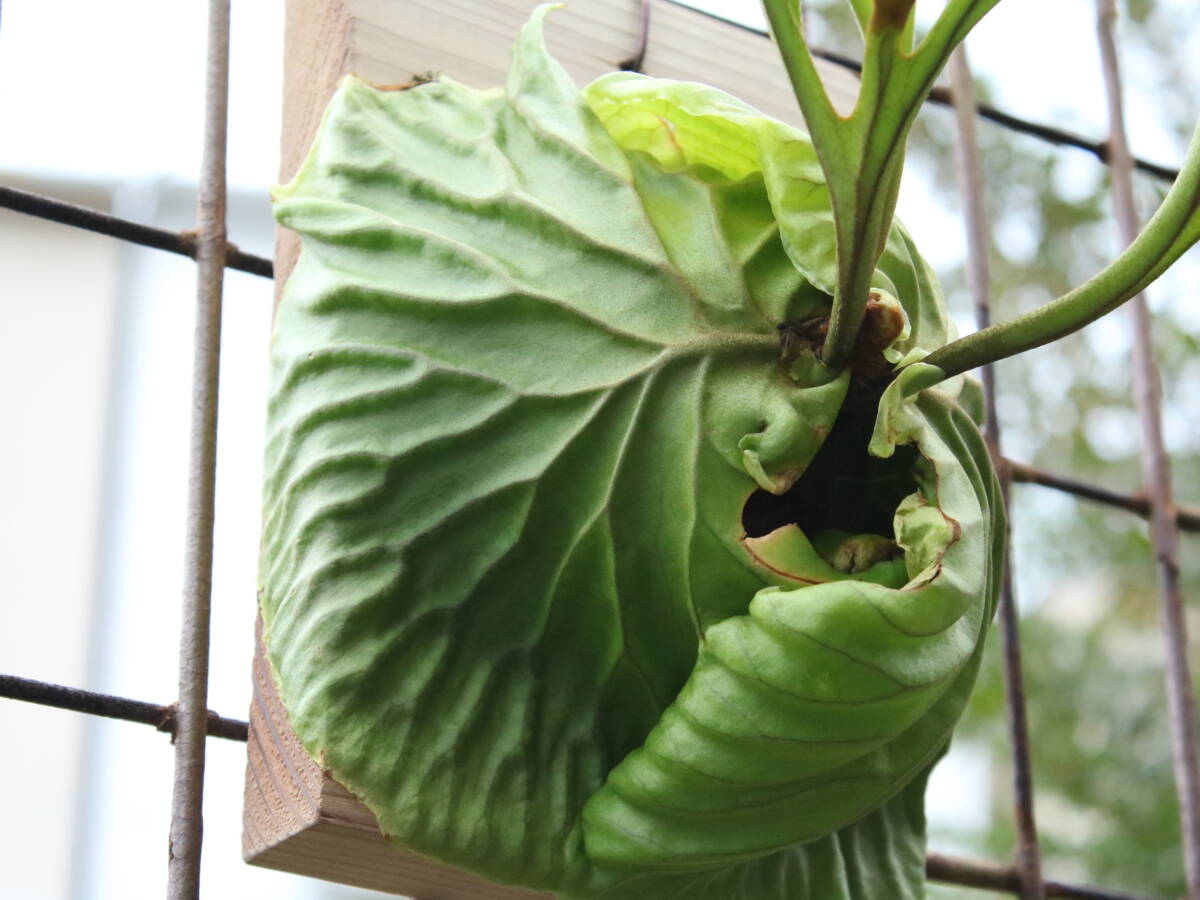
881,325
891,14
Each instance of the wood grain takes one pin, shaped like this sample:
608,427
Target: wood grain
300,820
296,817
387,42
470,41
317,52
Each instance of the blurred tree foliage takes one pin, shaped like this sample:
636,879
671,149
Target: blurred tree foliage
1086,582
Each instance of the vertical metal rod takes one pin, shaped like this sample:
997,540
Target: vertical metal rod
1028,863
1156,469
183,881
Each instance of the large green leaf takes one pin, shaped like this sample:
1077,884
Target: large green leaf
527,373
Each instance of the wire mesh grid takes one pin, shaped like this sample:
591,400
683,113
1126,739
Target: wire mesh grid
190,723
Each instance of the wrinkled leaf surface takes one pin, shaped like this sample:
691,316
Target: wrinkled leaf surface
526,374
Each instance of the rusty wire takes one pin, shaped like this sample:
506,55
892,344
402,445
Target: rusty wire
1028,855
1051,134
1187,517
161,716
183,869
1156,468
991,877
939,96
181,242
968,873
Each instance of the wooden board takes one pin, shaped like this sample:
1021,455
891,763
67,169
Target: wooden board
300,820
389,41
297,818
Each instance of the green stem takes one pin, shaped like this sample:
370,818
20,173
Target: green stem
1171,231
864,192
820,117
839,148
863,155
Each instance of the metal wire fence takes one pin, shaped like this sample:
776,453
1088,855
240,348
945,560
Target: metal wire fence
188,720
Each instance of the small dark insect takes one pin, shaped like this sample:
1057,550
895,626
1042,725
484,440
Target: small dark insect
882,324
418,79
796,336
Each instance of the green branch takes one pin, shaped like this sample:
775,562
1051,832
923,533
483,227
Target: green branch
819,115
1172,230
863,155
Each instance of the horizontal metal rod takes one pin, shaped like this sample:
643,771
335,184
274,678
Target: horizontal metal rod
941,97
948,869
1188,517
109,706
989,876
181,242
184,244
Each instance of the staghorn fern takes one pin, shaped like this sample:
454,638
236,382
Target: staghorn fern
576,567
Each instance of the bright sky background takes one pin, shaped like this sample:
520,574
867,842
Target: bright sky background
120,93
116,89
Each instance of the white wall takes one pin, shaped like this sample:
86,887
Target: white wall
57,303
95,363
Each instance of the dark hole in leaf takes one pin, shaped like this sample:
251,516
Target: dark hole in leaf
844,487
